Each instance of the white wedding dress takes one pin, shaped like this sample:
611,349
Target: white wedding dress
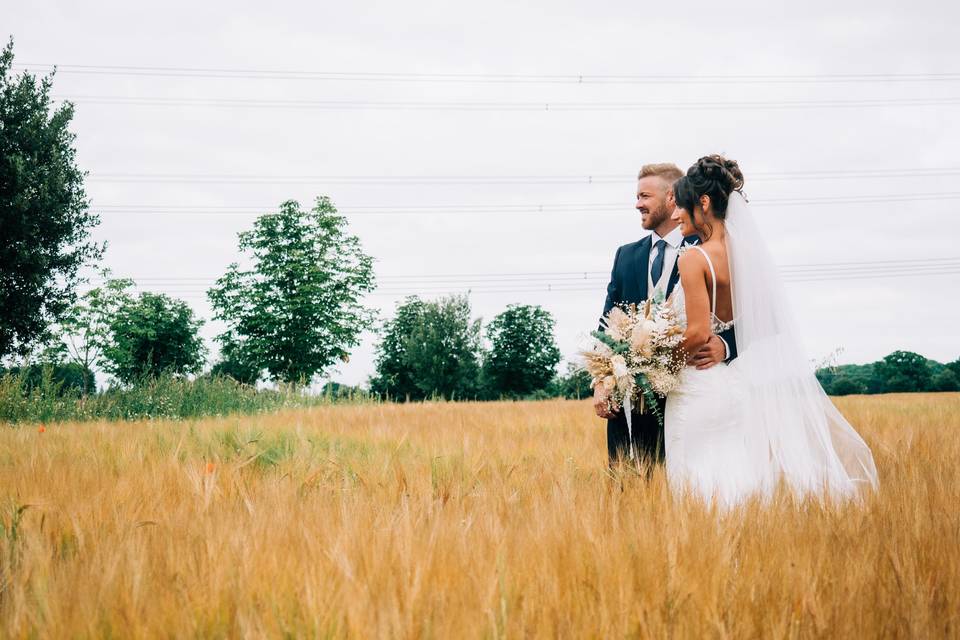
732,431
706,445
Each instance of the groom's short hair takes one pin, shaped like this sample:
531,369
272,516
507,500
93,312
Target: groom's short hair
666,170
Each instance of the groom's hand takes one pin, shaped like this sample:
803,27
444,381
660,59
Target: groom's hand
600,404
714,352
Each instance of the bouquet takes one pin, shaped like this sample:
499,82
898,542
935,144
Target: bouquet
636,356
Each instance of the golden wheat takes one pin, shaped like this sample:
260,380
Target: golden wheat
458,521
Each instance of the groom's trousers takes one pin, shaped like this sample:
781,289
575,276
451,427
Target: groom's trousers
647,437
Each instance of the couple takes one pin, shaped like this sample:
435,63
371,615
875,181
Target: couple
749,412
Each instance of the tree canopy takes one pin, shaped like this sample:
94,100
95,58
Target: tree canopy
44,212
430,349
523,356
153,335
297,309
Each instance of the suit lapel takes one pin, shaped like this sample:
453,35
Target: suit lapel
675,273
643,266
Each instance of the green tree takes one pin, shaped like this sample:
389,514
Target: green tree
153,335
574,384
438,346
904,371
946,380
233,365
523,357
845,386
66,378
443,350
338,391
85,327
394,378
298,309
955,367
45,220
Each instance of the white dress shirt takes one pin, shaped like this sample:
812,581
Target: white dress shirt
674,240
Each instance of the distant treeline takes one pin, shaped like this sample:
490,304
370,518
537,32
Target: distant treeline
46,393
899,372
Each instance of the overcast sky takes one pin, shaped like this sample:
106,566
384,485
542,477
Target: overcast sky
864,142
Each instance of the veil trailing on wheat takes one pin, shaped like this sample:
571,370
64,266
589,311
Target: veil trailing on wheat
793,428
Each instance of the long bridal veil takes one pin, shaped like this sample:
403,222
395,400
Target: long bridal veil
794,431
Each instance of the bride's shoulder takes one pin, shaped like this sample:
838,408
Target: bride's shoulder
689,263
689,254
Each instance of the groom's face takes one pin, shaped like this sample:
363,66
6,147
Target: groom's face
653,195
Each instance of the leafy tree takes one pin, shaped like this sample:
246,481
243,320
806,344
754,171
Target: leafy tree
66,378
845,386
955,367
575,384
443,351
439,346
863,376
394,378
826,376
153,335
904,371
233,365
339,391
297,310
524,355
946,380
85,328
45,220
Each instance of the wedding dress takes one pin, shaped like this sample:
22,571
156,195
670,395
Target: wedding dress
706,444
735,430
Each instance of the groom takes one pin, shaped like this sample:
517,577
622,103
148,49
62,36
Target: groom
640,269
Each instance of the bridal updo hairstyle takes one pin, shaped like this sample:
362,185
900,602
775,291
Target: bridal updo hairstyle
713,176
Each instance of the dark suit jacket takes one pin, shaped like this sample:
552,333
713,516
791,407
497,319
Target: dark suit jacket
628,281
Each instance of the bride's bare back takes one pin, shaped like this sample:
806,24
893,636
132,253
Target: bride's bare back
696,279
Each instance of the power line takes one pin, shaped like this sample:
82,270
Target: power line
493,78
824,174
485,276
591,208
596,280
502,106
598,288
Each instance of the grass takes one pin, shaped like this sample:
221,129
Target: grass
153,398
457,520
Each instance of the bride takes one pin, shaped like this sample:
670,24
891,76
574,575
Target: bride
735,430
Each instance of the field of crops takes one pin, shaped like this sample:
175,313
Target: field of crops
458,521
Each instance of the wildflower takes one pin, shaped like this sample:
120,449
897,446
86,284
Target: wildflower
619,366
42,429
211,468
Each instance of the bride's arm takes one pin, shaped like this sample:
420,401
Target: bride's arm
693,276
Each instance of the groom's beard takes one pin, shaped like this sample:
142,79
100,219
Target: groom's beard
654,219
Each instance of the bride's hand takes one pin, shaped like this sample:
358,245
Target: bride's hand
600,404
713,352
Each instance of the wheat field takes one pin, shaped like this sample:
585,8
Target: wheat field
458,521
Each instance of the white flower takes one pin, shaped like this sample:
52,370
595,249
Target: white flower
639,337
620,369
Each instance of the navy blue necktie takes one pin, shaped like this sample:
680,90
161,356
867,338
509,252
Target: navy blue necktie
657,270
